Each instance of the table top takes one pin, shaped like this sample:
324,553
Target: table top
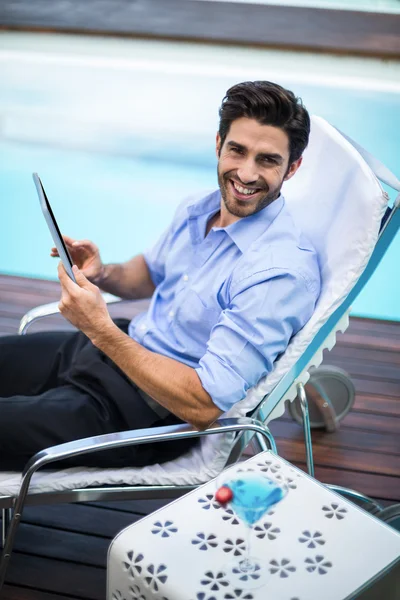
315,544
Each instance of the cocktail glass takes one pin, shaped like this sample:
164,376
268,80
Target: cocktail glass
250,494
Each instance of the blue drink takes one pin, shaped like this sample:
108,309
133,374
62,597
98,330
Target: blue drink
253,495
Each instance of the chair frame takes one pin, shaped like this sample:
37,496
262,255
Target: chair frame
248,429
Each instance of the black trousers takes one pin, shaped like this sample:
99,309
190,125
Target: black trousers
57,387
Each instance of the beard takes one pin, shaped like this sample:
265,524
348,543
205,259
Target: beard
246,208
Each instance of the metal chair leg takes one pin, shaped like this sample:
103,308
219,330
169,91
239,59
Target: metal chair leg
262,443
6,516
306,428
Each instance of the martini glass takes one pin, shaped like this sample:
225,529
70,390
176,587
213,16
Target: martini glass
250,494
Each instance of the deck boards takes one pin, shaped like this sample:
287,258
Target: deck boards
60,551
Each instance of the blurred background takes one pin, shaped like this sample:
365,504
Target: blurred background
115,105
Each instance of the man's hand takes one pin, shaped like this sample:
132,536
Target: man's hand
82,304
85,254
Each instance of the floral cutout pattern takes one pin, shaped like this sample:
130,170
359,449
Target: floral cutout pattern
230,516
204,542
208,502
334,510
318,564
165,529
155,576
215,580
134,565
266,529
117,595
288,481
269,466
136,593
236,546
283,567
239,595
311,539
204,596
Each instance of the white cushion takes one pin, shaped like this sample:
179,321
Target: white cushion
338,203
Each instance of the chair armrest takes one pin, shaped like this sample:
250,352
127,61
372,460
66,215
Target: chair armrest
46,310
137,437
129,438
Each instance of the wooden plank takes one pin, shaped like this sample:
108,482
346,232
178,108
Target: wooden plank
138,507
371,422
255,24
47,542
373,485
18,593
361,340
346,458
377,387
367,370
362,354
58,577
376,404
343,437
378,327
82,518
27,283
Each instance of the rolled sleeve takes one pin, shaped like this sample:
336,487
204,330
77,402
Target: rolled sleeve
265,311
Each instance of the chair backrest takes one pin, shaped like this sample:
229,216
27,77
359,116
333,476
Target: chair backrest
338,203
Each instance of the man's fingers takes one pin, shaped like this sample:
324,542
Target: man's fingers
81,280
68,240
65,280
87,244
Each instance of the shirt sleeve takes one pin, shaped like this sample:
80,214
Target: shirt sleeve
265,311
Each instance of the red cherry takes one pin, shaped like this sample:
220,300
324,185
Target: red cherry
224,494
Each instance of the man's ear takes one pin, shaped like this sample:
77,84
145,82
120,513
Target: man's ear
218,145
293,168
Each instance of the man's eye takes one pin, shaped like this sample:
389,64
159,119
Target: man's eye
236,150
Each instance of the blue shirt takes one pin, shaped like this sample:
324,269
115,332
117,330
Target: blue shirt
228,304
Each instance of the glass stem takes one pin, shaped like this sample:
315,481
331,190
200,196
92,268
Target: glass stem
247,565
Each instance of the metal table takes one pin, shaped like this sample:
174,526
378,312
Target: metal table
316,545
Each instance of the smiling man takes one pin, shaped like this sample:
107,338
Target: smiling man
231,280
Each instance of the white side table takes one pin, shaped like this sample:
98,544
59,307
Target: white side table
317,546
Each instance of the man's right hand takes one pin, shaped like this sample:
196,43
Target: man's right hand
86,256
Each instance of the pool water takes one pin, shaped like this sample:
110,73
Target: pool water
115,163
122,204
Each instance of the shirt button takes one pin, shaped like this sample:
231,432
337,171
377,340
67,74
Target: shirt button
171,313
143,327
185,277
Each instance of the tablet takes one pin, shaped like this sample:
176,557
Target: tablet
52,225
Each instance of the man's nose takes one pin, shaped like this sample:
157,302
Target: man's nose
247,172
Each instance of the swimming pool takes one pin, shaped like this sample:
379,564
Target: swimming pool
121,130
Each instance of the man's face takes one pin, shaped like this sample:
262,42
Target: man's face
253,163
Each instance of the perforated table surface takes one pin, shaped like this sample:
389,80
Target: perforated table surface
315,544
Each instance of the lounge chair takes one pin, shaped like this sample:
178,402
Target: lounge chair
338,202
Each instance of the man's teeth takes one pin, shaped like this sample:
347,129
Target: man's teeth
243,190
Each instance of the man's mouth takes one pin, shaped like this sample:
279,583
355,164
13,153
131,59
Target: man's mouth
243,192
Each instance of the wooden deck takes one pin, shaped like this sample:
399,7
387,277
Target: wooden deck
60,551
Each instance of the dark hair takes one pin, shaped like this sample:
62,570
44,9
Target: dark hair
269,104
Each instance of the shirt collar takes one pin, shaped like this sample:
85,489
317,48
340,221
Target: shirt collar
244,231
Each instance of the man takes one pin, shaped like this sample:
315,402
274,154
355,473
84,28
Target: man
230,282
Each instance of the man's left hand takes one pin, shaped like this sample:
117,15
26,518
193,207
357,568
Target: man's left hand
82,303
